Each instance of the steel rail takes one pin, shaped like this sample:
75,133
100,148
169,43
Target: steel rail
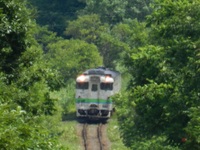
99,134
84,135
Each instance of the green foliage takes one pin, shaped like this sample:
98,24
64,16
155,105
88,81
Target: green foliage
150,106
142,117
173,19
18,126
66,97
153,143
114,134
109,11
128,35
163,101
55,14
176,23
35,80
116,11
69,138
138,9
89,28
14,24
131,32
45,37
25,81
111,49
146,63
160,109
193,128
71,57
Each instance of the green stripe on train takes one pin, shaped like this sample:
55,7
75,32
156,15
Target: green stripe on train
101,101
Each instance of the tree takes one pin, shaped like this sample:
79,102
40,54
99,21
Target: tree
163,101
87,28
109,11
55,14
13,33
90,29
113,12
44,37
72,57
24,76
138,9
132,32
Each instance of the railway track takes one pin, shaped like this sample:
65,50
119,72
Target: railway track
92,135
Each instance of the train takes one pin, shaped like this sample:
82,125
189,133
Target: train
94,89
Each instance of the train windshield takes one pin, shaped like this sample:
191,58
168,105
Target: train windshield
106,86
82,85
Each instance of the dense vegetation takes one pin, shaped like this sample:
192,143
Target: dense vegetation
162,106
25,79
155,42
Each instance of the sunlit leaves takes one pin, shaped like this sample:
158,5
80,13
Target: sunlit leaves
16,127
90,29
171,59
71,57
110,11
174,19
131,32
15,21
148,64
193,128
24,76
138,9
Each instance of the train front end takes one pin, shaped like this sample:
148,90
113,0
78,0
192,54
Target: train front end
93,91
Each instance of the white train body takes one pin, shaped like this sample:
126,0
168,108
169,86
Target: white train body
93,91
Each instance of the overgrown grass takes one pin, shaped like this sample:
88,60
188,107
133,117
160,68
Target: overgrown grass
69,138
114,135
67,125
66,98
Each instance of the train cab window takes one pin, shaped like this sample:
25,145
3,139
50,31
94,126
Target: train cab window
94,87
106,86
82,85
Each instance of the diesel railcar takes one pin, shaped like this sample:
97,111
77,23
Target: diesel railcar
94,89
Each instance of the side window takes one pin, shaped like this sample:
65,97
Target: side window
94,87
106,86
82,85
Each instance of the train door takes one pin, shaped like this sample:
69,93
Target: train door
95,94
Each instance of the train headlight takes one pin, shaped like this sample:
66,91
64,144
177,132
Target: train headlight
81,78
109,79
